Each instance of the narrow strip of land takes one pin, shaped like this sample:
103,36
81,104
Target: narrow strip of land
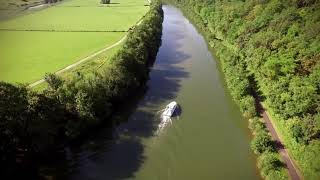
80,61
292,169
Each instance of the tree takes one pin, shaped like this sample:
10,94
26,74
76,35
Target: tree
256,125
14,122
262,142
306,129
247,107
105,1
46,127
53,81
268,163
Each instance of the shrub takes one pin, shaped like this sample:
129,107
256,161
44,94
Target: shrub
105,1
53,81
256,125
247,107
262,142
270,164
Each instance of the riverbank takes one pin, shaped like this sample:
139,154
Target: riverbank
194,145
239,83
290,164
43,122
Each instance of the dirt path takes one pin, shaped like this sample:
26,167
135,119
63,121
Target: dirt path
292,169
80,61
86,58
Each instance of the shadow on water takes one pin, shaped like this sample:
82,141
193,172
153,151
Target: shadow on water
118,153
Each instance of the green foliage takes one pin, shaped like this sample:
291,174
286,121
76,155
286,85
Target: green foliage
13,110
306,129
39,122
256,125
47,118
54,82
105,1
277,44
262,142
247,106
270,166
237,81
29,123
310,159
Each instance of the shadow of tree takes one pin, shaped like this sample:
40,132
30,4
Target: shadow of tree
118,153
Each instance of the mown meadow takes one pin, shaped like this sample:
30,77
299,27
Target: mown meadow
31,44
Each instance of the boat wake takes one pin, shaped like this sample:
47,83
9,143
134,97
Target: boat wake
166,115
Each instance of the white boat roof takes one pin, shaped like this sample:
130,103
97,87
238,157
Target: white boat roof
172,104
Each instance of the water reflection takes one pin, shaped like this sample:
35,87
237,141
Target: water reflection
182,71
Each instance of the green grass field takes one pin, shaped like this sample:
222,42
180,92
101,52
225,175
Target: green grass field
95,64
83,18
26,56
114,3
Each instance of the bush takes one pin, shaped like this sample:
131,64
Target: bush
256,125
262,142
105,1
247,107
53,81
270,164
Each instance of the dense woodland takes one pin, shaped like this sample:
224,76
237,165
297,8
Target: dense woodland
270,48
34,124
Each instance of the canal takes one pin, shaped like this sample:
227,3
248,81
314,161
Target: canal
209,140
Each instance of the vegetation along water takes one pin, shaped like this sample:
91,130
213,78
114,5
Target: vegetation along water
36,124
99,118
270,49
209,140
